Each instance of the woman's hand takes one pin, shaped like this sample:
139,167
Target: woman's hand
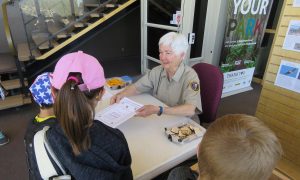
116,98
128,91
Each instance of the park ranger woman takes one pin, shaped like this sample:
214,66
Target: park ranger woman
174,83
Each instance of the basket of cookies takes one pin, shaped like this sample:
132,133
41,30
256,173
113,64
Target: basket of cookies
184,132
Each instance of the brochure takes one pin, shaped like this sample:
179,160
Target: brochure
117,113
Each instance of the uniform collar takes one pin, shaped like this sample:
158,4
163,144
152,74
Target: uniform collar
178,73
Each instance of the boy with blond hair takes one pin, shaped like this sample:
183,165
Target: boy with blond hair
235,147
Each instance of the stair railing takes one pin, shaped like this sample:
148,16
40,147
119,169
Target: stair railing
32,47
7,28
72,24
87,29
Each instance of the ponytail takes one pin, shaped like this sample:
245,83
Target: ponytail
75,112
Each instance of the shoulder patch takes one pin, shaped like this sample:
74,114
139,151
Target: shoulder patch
194,86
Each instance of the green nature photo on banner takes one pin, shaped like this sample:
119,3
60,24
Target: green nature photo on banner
245,25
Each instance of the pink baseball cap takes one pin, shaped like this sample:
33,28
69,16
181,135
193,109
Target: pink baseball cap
91,71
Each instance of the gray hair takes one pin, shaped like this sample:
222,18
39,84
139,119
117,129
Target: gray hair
176,41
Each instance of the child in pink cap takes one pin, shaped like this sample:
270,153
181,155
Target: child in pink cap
86,148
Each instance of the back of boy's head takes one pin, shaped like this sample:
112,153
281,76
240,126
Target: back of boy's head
41,90
238,147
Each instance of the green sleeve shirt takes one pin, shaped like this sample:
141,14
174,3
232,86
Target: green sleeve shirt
182,88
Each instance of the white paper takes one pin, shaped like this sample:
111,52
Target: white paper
292,38
106,95
116,114
296,3
288,76
176,18
238,79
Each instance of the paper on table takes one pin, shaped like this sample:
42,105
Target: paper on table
106,95
118,113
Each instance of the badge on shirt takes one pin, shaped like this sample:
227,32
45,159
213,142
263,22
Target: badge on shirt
195,85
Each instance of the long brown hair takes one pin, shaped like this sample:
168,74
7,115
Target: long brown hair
75,112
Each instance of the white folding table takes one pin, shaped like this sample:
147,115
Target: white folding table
151,151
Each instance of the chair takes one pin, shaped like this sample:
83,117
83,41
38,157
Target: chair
211,85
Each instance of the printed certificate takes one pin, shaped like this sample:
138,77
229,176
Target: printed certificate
117,113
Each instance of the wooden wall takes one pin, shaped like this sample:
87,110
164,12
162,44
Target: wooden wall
280,108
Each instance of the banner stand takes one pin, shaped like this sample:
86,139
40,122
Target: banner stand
246,22
236,92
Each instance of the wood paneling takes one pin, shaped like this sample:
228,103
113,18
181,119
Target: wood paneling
276,59
279,108
279,41
270,77
286,20
286,53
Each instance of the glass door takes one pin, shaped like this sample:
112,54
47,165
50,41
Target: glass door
162,16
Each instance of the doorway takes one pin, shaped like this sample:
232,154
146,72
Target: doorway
184,16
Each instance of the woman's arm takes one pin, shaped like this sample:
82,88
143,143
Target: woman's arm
180,110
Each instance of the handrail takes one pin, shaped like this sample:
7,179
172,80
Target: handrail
7,28
71,24
87,29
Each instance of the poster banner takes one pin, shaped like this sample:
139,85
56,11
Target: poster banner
245,25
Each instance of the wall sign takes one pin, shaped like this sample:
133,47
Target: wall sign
292,37
288,76
296,3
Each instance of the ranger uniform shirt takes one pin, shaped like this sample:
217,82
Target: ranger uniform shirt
182,88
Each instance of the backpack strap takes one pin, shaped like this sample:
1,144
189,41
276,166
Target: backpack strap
45,166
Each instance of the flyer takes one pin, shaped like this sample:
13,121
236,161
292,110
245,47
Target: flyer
296,3
292,38
288,76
